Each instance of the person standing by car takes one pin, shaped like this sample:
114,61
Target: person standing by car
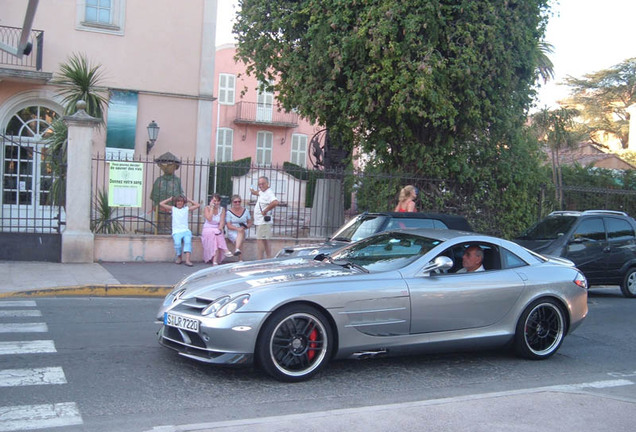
180,230
406,200
237,222
212,239
263,219
472,260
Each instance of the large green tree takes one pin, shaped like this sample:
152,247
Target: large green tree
426,86
603,98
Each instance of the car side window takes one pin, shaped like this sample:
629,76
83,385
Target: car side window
619,230
510,260
399,223
590,230
438,224
491,260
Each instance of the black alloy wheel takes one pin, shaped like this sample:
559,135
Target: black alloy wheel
295,344
540,330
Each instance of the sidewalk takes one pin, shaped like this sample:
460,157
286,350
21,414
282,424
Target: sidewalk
21,278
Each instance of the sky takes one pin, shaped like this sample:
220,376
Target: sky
587,36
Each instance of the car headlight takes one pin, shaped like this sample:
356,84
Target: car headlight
225,305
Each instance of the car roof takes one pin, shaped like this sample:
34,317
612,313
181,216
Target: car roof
588,212
445,235
465,236
451,221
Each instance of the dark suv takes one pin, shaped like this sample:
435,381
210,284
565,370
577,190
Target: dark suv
366,224
601,243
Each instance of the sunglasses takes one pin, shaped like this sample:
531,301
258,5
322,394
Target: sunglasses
237,202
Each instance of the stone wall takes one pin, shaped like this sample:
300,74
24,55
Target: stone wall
159,248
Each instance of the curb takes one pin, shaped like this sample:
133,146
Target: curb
95,291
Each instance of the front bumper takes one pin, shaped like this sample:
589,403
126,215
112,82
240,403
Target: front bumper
191,345
230,340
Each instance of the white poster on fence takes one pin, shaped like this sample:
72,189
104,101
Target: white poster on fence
125,184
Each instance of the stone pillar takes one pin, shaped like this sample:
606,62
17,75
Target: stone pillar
327,212
77,238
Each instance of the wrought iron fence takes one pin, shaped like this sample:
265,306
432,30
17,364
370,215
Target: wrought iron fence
594,198
303,195
28,180
251,112
10,36
313,203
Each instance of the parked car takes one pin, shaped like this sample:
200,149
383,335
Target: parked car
392,293
366,224
601,243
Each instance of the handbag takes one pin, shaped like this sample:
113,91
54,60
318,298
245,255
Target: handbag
266,218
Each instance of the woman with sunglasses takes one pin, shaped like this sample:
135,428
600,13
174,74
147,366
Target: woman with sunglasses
237,222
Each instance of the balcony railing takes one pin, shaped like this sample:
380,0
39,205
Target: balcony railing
10,36
269,114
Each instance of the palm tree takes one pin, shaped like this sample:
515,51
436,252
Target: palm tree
78,80
544,67
556,129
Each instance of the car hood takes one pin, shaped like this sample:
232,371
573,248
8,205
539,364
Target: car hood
310,250
247,277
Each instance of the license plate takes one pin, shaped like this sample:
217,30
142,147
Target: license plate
180,322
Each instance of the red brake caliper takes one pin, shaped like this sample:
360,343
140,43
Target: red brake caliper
312,337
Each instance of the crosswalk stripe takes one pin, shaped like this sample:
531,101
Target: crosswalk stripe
18,303
23,328
27,347
20,313
35,376
29,417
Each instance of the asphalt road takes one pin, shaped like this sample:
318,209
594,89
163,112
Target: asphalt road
117,377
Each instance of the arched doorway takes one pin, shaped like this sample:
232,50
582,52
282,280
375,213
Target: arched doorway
27,179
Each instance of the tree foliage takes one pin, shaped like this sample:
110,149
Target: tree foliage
603,98
78,80
557,130
437,89
406,80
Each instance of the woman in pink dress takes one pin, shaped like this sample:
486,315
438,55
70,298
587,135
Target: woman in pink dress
212,238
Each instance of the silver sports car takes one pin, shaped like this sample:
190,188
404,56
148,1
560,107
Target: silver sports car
394,293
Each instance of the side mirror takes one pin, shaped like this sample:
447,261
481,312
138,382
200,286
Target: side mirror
321,256
440,263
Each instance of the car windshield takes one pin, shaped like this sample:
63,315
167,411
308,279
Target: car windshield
388,251
360,227
549,228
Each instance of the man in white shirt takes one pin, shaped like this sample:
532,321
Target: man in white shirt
472,260
263,219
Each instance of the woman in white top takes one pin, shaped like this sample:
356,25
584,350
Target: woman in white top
237,222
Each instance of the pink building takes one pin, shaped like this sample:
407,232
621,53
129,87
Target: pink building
250,123
157,63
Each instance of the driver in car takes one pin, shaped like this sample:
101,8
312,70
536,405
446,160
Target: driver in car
472,260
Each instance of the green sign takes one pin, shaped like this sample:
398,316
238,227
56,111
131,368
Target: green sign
126,181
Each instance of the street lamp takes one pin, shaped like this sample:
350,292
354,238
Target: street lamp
153,133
